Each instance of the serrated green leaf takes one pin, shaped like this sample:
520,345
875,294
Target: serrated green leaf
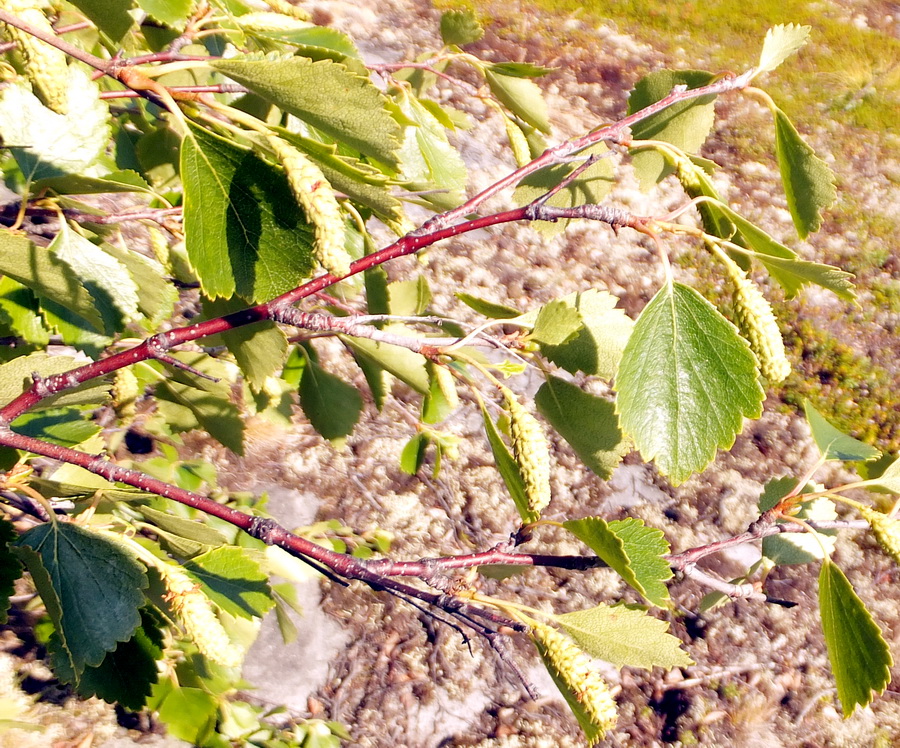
188,713
409,298
487,308
593,732
233,581
244,231
259,349
508,469
808,181
521,69
834,444
156,295
47,144
80,184
798,548
110,16
183,527
48,277
406,365
412,457
556,323
521,96
126,675
590,188
331,404
597,347
860,657
686,382
587,422
65,426
108,281
93,587
19,307
792,275
460,27
428,161
686,125
172,13
15,378
315,42
327,96
625,637
780,43
10,567
634,551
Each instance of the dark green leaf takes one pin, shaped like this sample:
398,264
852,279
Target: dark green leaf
460,27
110,16
521,96
508,469
403,363
80,184
10,568
233,581
188,713
325,95
413,455
259,349
19,308
173,13
860,657
587,422
244,231
686,382
834,444
624,636
90,585
685,125
808,182
65,426
331,404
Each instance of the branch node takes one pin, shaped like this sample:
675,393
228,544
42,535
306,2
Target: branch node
265,529
40,385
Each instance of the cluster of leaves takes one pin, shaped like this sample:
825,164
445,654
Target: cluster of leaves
266,134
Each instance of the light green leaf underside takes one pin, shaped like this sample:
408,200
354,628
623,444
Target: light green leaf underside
686,381
331,404
890,478
587,422
244,231
625,637
523,97
408,366
327,96
860,657
834,444
780,43
233,581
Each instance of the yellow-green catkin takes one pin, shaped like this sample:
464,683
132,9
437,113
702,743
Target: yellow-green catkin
886,530
195,611
579,673
125,393
314,193
288,9
756,321
46,66
531,453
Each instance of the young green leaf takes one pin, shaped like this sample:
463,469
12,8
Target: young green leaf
244,231
172,13
890,478
408,366
686,382
487,308
47,144
189,714
90,586
798,548
780,43
10,568
792,275
597,347
507,468
587,422
834,444
634,551
556,323
413,455
325,95
233,581
685,125
409,298
39,269
860,658
331,404
808,181
19,309
460,27
591,187
16,376
520,96
625,637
